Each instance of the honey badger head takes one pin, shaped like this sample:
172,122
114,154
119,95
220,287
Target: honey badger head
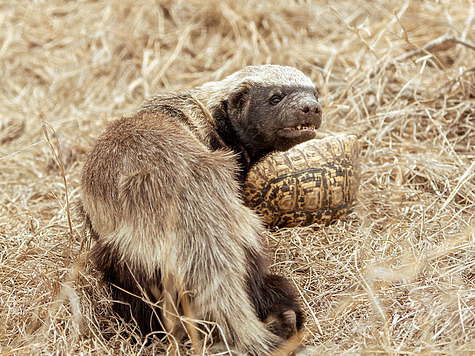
265,108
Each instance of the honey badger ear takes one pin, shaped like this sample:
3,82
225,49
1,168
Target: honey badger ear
233,107
237,102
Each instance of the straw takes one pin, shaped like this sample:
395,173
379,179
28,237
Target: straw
396,277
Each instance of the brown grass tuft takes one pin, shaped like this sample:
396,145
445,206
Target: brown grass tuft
397,277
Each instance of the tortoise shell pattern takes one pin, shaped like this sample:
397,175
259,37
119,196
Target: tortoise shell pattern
313,183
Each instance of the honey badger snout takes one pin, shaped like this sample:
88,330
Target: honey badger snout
309,111
300,118
310,107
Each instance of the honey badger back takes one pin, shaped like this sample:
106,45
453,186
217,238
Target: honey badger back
161,192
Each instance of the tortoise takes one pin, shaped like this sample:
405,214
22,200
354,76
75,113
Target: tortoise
313,183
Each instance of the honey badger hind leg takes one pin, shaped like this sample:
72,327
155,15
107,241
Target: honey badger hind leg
192,226
130,291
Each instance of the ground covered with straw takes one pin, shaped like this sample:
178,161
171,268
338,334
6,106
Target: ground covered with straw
397,276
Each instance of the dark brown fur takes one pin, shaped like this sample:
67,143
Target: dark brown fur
161,190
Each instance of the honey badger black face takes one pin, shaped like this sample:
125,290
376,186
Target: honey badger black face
284,115
262,109
264,117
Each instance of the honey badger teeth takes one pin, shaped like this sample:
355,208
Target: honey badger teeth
302,127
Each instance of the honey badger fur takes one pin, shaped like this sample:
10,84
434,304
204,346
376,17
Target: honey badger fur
161,193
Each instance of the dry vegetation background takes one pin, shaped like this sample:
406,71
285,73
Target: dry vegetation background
396,277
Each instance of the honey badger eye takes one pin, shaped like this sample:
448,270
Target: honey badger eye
275,99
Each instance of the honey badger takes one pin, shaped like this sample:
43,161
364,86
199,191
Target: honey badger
161,194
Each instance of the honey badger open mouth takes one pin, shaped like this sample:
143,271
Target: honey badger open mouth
309,128
302,127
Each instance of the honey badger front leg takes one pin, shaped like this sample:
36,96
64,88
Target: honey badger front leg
274,298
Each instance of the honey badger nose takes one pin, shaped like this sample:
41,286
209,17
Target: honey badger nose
310,107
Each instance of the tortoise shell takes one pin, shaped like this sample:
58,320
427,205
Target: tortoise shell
313,183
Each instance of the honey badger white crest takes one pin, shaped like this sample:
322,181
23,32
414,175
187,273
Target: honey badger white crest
161,194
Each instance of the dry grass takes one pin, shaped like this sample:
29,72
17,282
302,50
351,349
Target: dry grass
396,277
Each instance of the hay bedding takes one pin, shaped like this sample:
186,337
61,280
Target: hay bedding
396,277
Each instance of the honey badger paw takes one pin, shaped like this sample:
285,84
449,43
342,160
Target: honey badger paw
278,306
282,321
